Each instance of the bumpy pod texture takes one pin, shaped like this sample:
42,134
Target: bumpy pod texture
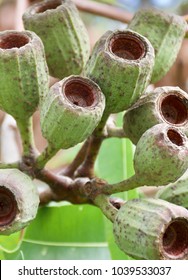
177,192
63,33
71,111
165,32
18,200
121,64
24,73
152,229
161,155
164,104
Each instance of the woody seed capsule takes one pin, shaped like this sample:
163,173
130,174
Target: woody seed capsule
71,111
152,229
121,64
164,104
165,32
24,73
18,201
176,192
63,33
161,155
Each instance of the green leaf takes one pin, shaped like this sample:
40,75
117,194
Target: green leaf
66,232
11,243
2,257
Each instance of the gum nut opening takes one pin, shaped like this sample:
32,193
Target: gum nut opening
174,110
51,5
175,238
13,40
8,206
175,137
80,93
127,46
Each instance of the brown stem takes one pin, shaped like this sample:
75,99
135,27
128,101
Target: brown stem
62,188
70,169
104,10
86,169
46,197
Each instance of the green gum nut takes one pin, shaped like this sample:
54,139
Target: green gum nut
24,73
176,192
161,155
121,64
164,104
162,30
71,111
63,33
152,229
19,201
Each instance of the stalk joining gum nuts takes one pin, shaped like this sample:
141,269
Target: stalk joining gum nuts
121,64
65,38
71,111
165,32
152,229
19,201
163,104
24,73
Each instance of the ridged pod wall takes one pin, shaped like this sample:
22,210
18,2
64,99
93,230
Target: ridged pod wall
63,33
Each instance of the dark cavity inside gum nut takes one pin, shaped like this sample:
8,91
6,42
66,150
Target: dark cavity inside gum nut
14,40
175,137
174,110
127,46
43,7
175,238
80,94
8,206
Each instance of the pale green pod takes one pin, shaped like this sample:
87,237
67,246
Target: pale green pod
176,192
121,64
161,155
24,73
71,111
19,201
163,104
165,31
152,229
63,33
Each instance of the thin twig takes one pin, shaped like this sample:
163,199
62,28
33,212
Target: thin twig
70,169
62,188
125,185
104,10
86,169
103,202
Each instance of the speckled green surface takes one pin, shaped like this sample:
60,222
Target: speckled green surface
140,224
165,32
157,160
177,192
24,76
146,112
65,124
64,37
121,80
